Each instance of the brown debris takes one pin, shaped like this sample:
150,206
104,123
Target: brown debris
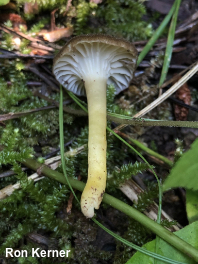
184,95
16,20
58,34
39,52
70,201
69,204
53,22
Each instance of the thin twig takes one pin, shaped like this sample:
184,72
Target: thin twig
164,96
52,163
10,116
169,92
36,71
41,44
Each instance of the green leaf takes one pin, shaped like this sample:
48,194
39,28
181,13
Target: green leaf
4,2
192,205
185,172
188,233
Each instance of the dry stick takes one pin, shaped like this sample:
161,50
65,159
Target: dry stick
25,56
171,80
65,108
169,92
175,77
36,71
188,21
132,190
21,114
52,163
8,190
187,25
164,96
39,43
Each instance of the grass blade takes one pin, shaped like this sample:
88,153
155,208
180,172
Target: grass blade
156,34
169,47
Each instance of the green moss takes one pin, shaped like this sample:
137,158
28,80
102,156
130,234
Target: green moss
45,4
38,26
114,17
124,173
41,206
7,43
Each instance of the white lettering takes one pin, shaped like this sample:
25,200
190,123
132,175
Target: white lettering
9,252
17,253
24,253
35,252
54,253
62,253
43,253
48,253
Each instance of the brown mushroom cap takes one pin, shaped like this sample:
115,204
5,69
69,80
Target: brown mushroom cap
95,56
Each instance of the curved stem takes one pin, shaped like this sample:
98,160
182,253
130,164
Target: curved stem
96,182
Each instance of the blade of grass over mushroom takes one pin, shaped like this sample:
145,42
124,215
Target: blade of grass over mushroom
122,119
169,46
156,34
121,206
62,142
77,100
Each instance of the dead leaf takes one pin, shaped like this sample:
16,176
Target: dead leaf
58,34
16,20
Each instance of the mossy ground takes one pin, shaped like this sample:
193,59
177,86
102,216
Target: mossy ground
40,208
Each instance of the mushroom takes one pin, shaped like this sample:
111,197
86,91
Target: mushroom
86,65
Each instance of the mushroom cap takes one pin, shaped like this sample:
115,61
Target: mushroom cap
96,56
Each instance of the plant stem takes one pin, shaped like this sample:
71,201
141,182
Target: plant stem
169,237
146,122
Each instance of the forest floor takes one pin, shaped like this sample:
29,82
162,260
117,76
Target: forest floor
34,54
